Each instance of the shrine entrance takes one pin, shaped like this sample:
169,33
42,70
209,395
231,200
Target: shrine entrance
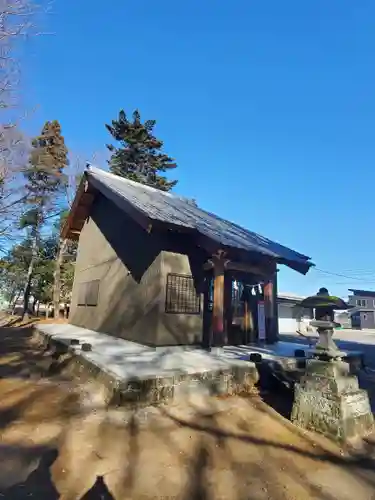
240,303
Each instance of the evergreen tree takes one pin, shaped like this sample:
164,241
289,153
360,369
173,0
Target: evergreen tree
45,183
139,157
13,269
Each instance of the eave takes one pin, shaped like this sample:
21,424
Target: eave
80,210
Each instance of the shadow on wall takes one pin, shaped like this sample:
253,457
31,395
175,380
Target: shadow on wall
136,248
129,321
181,329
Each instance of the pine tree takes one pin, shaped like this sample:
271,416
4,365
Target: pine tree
139,157
45,182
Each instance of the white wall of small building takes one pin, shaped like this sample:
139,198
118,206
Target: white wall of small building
287,324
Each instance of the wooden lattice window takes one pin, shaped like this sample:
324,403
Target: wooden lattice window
181,296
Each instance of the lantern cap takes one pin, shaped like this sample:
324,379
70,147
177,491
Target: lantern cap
324,300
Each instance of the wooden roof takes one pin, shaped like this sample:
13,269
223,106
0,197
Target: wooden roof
149,206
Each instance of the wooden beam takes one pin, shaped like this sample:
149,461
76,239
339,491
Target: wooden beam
87,199
239,266
246,268
88,188
82,200
82,212
73,235
207,266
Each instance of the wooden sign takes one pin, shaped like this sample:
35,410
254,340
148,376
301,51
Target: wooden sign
261,322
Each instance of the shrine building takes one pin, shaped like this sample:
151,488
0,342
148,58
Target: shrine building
154,268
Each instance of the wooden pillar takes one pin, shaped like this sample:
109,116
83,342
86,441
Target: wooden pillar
207,314
275,307
218,262
270,308
228,311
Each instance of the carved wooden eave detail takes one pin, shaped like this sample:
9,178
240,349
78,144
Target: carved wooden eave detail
236,266
79,211
218,260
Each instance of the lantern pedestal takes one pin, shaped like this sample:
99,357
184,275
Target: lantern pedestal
326,347
328,400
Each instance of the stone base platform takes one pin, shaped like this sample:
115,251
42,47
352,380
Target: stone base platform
133,374
328,400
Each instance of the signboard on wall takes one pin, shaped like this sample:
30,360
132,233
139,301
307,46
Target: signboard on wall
261,321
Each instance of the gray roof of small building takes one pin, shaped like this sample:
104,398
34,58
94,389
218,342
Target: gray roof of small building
362,293
172,209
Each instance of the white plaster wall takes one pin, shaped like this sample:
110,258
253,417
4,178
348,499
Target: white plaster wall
287,324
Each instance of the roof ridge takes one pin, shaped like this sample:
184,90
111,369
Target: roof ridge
100,171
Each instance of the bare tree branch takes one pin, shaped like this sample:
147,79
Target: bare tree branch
16,22
16,17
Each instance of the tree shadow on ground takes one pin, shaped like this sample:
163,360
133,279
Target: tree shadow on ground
38,484
214,451
19,358
17,321
362,467
197,475
11,413
41,405
133,452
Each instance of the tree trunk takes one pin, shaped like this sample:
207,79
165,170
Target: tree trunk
57,278
14,300
11,299
30,271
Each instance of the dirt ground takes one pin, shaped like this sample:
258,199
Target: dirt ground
59,441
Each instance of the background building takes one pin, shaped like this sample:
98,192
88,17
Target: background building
363,308
291,316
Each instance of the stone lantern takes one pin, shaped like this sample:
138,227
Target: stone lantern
327,399
325,305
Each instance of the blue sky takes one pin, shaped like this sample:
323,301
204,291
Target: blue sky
268,107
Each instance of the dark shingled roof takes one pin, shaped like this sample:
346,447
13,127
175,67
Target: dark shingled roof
182,213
